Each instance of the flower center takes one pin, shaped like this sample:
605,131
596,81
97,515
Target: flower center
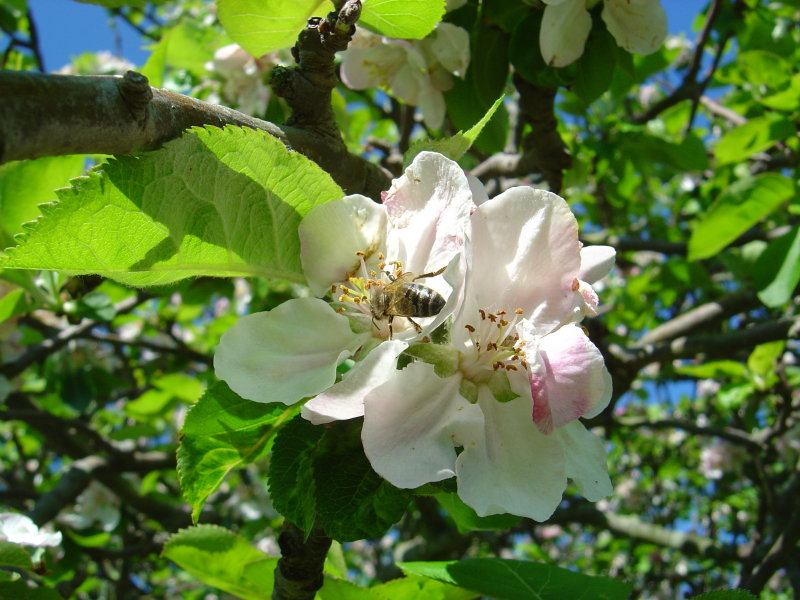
367,295
493,346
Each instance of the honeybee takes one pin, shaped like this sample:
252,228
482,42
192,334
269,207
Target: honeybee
401,297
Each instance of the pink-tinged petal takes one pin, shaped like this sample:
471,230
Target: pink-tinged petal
412,425
569,379
639,26
345,399
511,468
565,28
525,254
586,461
428,210
596,262
330,234
285,354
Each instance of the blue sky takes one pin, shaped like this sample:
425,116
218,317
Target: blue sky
68,28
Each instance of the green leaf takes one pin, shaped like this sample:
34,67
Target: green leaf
453,147
421,588
12,304
777,270
754,136
217,202
261,26
26,184
223,432
595,67
467,519
717,369
353,501
187,46
224,560
14,555
408,19
726,595
465,108
520,580
291,475
737,209
340,589
19,590
762,363
489,63
527,58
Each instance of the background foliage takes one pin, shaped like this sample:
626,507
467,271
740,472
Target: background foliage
115,431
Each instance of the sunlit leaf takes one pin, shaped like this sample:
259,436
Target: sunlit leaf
737,209
224,560
214,202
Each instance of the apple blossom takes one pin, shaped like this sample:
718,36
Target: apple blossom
293,351
639,26
512,383
243,75
20,529
414,71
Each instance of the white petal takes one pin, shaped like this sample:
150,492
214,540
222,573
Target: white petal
639,26
428,210
330,234
345,399
565,28
450,45
512,468
596,262
586,461
413,423
431,103
525,254
571,380
285,354
20,529
372,66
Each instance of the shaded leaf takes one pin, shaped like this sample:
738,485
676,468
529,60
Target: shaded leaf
223,432
520,580
777,270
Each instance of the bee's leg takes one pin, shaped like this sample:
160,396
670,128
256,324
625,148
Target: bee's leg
416,325
391,333
434,274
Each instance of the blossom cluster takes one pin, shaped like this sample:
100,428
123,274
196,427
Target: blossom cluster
639,26
501,284
414,71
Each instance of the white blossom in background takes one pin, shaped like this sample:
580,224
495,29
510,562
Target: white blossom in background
243,77
20,529
414,71
99,63
95,506
639,26
292,351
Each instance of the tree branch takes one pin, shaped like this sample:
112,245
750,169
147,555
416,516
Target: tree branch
719,344
298,575
630,526
50,115
699,317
